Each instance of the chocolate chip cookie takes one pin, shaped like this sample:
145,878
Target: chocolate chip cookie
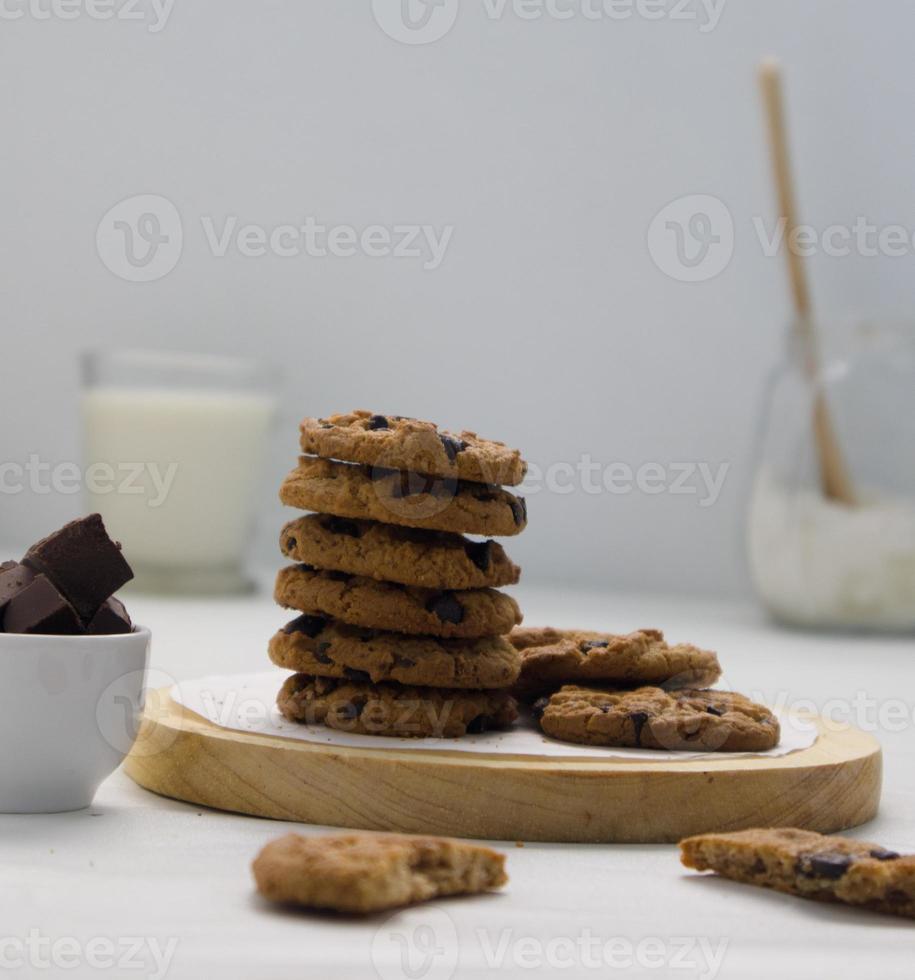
362,873
407,499
551,658
389,709
800,862
650,718
400,443
315,645
367,602
431,559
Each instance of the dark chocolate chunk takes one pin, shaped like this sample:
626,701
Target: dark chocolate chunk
111,618
638,719
336,576
41,608
309,625
519,510
359,676
479,725
712,710
290,544
452,446
378,422
587,645
828,864
538,707
13,579
882,854
480,553
84,564
759,867
339,525
321,653
446,607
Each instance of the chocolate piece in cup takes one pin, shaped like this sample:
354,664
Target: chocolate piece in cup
83,563
111,618
41,608
13,579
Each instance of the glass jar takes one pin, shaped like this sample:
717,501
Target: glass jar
816,561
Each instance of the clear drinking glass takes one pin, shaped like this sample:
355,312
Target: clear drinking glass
816,561
174,445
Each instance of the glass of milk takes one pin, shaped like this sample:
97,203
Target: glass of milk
817,562
174,446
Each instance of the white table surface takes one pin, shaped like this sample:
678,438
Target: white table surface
138,868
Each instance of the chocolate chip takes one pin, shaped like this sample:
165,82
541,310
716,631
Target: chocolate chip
335,576
378,422
712,710
479,725
484,496
539,707
759,867
604,709
452,446
360,676
339,525
290,545
400,661
321,653
446,607
311,626
638,719
829,865
587,645
480,553
882,854
898,897
327,425
519,510
306,568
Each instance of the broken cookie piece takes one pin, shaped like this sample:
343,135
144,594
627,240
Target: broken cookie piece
810,865
364,873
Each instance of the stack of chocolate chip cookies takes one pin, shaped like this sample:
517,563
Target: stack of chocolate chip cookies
402,628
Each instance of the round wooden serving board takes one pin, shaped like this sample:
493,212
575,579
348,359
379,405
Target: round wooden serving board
830,786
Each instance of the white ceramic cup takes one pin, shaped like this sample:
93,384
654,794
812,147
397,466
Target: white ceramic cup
69,710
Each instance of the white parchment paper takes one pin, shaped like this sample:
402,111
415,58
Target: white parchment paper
247,703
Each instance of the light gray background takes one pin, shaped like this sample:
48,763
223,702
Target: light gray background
549,146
